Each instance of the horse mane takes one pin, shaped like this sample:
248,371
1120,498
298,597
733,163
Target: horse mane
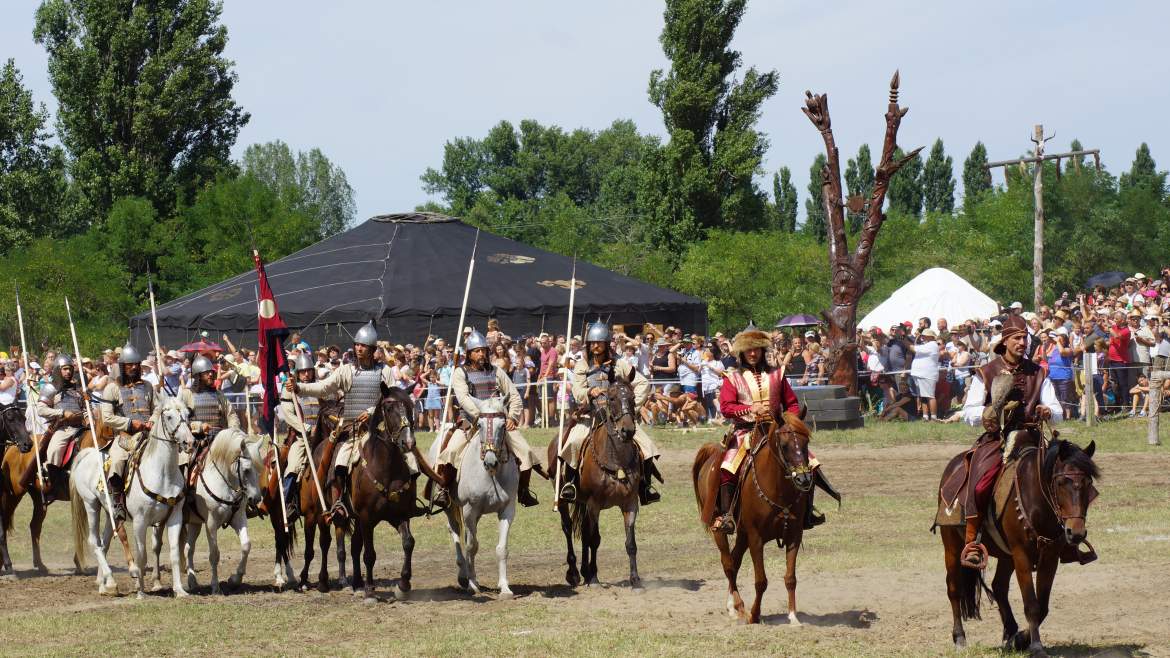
1072,455
225,448
797,425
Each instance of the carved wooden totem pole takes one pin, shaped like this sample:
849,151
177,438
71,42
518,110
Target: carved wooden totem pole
848,269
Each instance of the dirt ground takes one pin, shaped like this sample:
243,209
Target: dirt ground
871,581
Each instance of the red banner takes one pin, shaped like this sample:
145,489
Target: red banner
270,333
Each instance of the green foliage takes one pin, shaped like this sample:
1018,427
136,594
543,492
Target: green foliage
976,177
786,203
33,187
144,93
307,182
905,191
727,269
715,150
816,223
1144,174
859,175
938,181
1077,161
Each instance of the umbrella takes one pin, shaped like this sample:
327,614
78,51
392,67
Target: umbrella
201,346
1107,279
799,320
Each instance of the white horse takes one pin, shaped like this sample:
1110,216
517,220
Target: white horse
488,480
90,501
228,484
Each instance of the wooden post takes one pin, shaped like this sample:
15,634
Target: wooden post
1089,408
1157,378
1038,229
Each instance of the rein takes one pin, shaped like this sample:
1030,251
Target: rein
602,416
169,501
388,493
1045,493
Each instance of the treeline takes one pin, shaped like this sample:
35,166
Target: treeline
140,181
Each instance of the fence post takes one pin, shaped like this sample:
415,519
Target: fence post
1157,377
1090,406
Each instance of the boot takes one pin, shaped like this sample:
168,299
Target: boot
812,518
52,477
292,497
339,514
724,518
646,492
821,481
442,499
118,497
568,492
523,494
974,555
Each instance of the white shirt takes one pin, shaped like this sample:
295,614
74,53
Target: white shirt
925,363
686,376
973,403
712,375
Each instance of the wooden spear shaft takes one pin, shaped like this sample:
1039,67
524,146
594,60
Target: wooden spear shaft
29,392
459,334
564,385
88,408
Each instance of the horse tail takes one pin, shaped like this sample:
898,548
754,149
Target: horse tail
970,590
706,452
576,517
6,487
80,523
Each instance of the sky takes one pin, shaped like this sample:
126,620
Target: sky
379,87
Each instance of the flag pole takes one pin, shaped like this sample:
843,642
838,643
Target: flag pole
279,479
458,335
564,385
89,409
29,392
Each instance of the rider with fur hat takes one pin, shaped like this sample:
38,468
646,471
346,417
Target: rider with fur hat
65,409
127,407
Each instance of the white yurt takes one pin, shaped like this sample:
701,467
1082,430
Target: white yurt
936,293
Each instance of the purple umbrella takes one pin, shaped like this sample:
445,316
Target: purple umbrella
799,320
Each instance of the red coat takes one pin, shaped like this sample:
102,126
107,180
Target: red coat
735,397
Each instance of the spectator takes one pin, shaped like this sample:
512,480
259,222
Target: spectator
814,372
711,380
794,364
8,386
1060,368
924,370
1117,360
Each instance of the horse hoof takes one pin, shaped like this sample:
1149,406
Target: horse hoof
369,599
960,643
1021,640
180,594
215,591
42,570
141,596
9,577
506,595
572,578
792,620
400,593
157,587
1037,651
462,582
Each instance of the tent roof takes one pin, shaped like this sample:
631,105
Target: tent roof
935,293
411,265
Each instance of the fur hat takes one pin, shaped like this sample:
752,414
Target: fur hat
749,338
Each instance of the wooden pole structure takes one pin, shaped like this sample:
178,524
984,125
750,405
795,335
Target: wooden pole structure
1157,378
565,384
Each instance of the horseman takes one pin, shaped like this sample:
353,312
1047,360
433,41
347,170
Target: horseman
753,393
478,380
127,408
210,410
65,409
305,372
1010,394
591,378
361,384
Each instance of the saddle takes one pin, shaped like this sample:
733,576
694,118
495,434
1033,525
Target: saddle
197,462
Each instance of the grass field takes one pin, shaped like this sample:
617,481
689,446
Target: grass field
871,579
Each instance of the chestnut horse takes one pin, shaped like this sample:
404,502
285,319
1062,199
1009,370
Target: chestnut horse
1050,497
610,476
774,485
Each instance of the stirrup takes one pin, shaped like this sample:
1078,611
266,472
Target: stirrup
813,518
724,524
441,499
568,492
648,495
119,501
526,498
974,556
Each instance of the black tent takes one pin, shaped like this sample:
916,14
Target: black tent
407,272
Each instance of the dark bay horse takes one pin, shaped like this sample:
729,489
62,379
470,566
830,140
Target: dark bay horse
1045,525
383,488
774,486
610,476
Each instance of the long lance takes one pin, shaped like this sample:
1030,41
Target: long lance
29,392
88,408
279,478
459,333
565,384
158,355
308,451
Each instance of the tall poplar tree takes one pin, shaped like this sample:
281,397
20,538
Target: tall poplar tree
785,198
815,222
976,177
938,181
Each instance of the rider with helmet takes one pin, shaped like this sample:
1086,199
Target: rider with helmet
478,380
210,411
127,407
305,372
591,378
66,411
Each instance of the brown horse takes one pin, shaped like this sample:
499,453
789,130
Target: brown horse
610,476
774,485
383,488
1050,497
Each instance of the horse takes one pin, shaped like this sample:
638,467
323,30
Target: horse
227,486
775,482
489,477
16,442
610,473
90,501
1050,495
383,488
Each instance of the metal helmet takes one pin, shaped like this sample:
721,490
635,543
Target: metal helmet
62,361
598,333
47,390
367,335
200,365
475,340
130,355
302,362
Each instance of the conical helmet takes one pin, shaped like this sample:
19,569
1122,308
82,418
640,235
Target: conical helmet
598,332
62,361
475,340
129,354
200,365
367,335
303,362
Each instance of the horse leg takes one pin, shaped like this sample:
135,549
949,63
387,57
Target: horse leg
174,537
952,547
342,578
192,537
158,537
506,516
756,550
594,538
999,589
402,589
356,545
572,576
632,546
457,541
212,532
732,558
326,540
1032,610
132,559
34,528
100,551
471,538
790,553
1045,576
370,556
240,525
138,570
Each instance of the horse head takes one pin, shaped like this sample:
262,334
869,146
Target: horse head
170,423
1069,472
231,454
618,409
789,443
393,419
13,428
492,425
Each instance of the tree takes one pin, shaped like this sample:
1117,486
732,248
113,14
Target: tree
1144,174
906,186
976,176
815,223
33,186
144,92
307,182
859,181
1077,161
938,181
786,203
715,150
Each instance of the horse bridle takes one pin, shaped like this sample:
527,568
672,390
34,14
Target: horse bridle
601,405
490,446
790,472
237,492
395,436
1050,498
5,412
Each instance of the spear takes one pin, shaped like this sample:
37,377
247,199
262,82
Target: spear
88,409
459,329
279,479
565,384
29,389
158,355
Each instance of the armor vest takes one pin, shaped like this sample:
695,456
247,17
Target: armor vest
70,400
207,410
482,384
311,408
363,393
601,376
137,401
